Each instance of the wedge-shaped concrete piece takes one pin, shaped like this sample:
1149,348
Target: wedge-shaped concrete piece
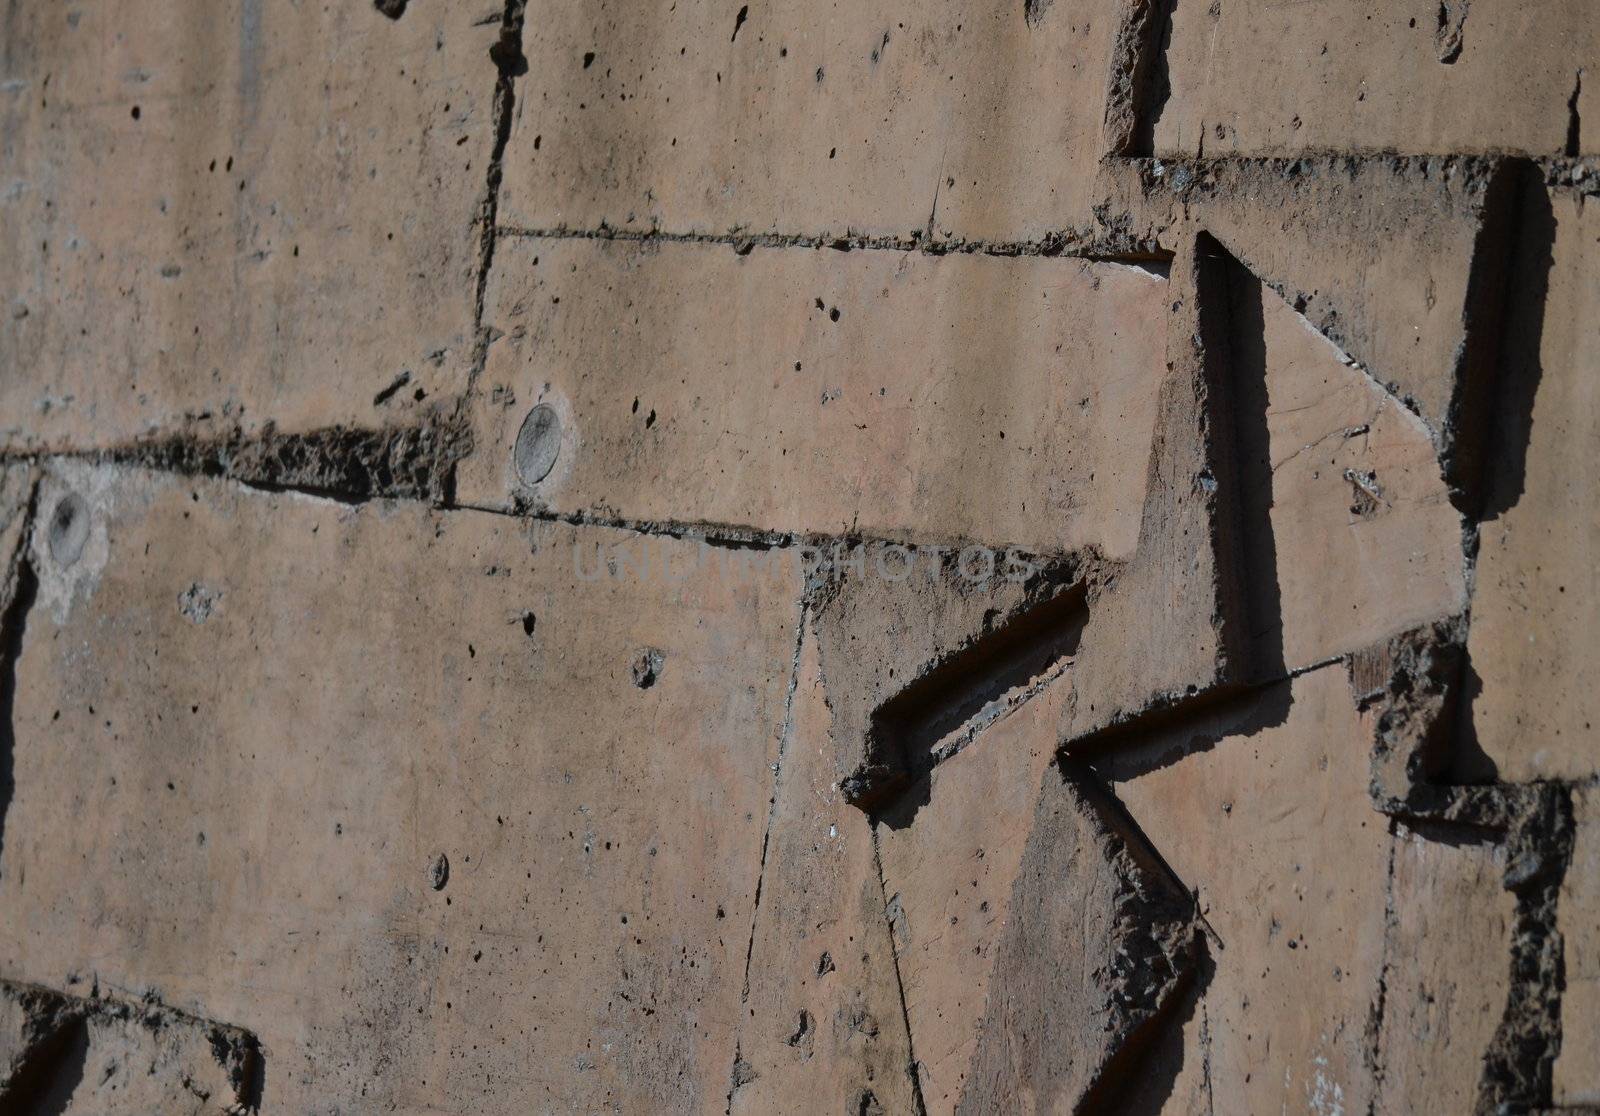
236,214
1400,261
782,117
823,1017
1006,401
918,665
1295,511
98,1056
1261,806
1536,611
431,830
1037,935
1363,536
1377,75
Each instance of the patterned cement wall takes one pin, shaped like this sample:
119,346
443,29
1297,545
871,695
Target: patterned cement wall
1034,556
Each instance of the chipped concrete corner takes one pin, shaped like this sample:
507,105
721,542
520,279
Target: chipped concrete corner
98,1053
780,557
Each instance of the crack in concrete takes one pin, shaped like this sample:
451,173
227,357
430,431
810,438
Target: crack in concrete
1450,34
510,64
736,1077
1372,1050
899,980
1574,120
1517,1068
1085,244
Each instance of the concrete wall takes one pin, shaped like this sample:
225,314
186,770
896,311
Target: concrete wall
799,556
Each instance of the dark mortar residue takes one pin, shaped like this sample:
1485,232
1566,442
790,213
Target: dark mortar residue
409,462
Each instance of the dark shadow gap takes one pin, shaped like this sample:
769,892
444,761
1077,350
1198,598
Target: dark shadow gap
13,625
1233,334
971,688
1509,426
51,1072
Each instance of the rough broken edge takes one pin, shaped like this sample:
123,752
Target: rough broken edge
1414,683
50,1016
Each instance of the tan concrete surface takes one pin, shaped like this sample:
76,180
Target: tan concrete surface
1262,809
489,504
896,119
597,902
1446,969
824,1020
1576,1078
1365,538
1414,76
893,394
1535,614
236,214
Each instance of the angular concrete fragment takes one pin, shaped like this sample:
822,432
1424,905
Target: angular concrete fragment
1377,75
1410,686
1576,1074
254,709
900,118
1295,510
919,665
1036,935
1077,989
1400,261
1535,683
902,395
97,1055
1365,538
823,1015
241,213
1177,621
1447,969
1260,804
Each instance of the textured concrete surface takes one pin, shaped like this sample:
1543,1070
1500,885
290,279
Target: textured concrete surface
798,557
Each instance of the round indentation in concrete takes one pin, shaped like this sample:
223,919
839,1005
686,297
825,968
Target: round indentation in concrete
69,529
439,872
538,444
647,666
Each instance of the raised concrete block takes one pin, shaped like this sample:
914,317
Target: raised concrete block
427,829
1006,401
1536,611
1261,807
904,119
237,214
1413,76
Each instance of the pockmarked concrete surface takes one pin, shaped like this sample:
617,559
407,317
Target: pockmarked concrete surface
798,557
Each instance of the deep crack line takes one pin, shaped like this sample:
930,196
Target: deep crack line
510,64
1081,243
214,461
784,733
899,981
1376,1010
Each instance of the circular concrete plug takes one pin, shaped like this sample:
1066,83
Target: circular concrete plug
69,529
538,443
